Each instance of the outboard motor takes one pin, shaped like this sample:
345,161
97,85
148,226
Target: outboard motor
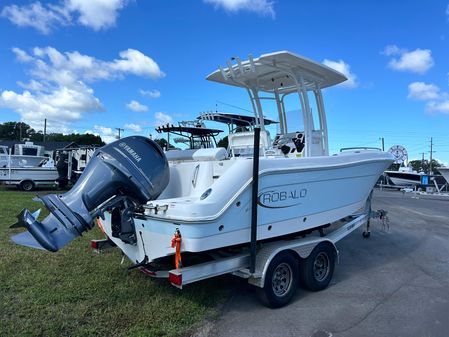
132,170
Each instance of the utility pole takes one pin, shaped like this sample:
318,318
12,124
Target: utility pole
20,131
119,132
431,153
45,129
422,162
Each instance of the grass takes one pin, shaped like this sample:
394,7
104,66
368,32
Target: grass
76,292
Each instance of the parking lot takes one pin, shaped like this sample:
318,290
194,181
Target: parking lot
396,283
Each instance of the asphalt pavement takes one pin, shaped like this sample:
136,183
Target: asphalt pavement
396,283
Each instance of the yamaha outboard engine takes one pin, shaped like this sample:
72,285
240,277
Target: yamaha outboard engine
132,170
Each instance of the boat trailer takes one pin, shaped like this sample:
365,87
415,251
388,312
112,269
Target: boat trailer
280,264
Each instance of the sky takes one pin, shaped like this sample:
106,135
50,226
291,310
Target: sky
98,65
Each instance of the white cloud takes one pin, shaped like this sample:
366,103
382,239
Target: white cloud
150,93
133,127
423,91
136,106
437,101
49,63
261,7
108,135
345,69
35,15
21,55
417,61
441,106
162,118
134,62
57,89
95,14
65,104
32,85
392,49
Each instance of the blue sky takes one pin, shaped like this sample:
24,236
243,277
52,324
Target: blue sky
93,66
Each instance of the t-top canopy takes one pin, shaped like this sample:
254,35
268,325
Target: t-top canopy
277,71
194,131
237,120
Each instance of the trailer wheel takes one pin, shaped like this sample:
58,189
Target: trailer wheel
318,268
27,185
281,280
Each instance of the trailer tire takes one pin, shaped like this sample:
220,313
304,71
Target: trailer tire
281,280
26,185
318,268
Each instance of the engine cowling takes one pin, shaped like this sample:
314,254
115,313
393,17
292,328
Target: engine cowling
134,169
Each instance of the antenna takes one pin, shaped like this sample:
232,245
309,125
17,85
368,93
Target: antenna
251,62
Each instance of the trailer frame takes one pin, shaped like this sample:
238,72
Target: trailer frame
301,248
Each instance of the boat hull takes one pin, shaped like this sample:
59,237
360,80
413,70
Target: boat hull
20,161
37,174
290,199
404,178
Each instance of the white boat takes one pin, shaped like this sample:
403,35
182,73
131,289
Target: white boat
405,176
27,178
208,195
19,160
209,200
300,185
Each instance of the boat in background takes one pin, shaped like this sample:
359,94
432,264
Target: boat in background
405,176
25,155
27,168
27,178
206,198
193,134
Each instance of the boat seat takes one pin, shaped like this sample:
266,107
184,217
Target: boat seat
218,153
179,155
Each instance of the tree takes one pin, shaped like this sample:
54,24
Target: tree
162,142
20,131
223,142
80,139
424,166
418,165
15,131
394,167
